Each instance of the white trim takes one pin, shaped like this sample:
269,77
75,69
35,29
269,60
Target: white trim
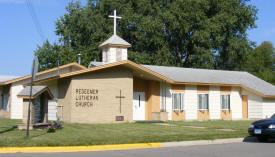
16,103
203,109
191,104
177,109
214,102
166,98
236,103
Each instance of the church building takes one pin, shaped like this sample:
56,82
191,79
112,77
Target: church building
118,90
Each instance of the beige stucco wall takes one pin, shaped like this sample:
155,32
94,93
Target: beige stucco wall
64,100
106,106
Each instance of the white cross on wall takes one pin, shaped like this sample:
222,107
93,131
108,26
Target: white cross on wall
115,17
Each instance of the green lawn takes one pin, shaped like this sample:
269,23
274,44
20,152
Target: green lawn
95,134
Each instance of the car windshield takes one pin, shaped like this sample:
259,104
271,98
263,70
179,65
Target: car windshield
273,116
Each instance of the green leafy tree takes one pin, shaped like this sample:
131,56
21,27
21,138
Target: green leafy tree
47,55
190,33
261,62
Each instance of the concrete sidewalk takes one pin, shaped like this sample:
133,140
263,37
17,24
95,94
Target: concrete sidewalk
115,147
202,142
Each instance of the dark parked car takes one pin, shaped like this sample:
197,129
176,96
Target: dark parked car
263,129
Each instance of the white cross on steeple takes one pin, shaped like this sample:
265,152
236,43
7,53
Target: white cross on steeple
115,17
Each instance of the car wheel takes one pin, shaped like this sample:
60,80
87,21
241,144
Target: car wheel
262,138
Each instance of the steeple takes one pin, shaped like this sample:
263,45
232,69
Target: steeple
114,49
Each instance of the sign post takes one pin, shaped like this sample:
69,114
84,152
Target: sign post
33,72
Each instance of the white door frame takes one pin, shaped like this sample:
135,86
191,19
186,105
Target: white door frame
139,106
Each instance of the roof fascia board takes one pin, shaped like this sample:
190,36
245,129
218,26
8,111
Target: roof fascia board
43,80
255,92
37,94
159,76
151,72
124,62
42,91
232,85
92,69
46,71
206,84
25,97
114,45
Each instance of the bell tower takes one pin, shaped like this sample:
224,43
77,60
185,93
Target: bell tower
114,49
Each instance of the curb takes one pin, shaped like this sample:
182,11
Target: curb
77,148
202,142
114,147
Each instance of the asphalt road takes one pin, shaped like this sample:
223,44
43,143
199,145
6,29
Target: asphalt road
244,149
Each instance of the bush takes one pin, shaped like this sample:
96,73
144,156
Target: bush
54,126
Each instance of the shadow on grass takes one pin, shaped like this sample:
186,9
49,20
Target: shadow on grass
7,130
34,136
251,139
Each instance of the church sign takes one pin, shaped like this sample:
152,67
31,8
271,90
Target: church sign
85,97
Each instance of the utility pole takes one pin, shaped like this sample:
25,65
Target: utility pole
33,72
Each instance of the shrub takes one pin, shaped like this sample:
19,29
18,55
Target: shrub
54,126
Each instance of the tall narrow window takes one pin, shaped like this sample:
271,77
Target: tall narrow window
105,55
2,102
118,54
178,101
138,100
225,102
203,102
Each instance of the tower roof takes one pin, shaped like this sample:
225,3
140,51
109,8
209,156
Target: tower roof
115,40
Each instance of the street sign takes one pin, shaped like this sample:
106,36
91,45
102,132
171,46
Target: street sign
35,64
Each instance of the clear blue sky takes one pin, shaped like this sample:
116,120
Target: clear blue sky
19,38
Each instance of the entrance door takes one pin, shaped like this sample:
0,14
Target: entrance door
245,106
139,106
37,109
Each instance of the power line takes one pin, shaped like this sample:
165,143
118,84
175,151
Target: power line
35,20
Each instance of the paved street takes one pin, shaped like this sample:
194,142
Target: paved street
245,149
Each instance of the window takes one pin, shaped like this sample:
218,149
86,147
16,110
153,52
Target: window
178,101
105,55
203,101
139,100
225,102
2,102
118,54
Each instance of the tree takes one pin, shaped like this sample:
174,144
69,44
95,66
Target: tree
190,33
47,55
261,62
